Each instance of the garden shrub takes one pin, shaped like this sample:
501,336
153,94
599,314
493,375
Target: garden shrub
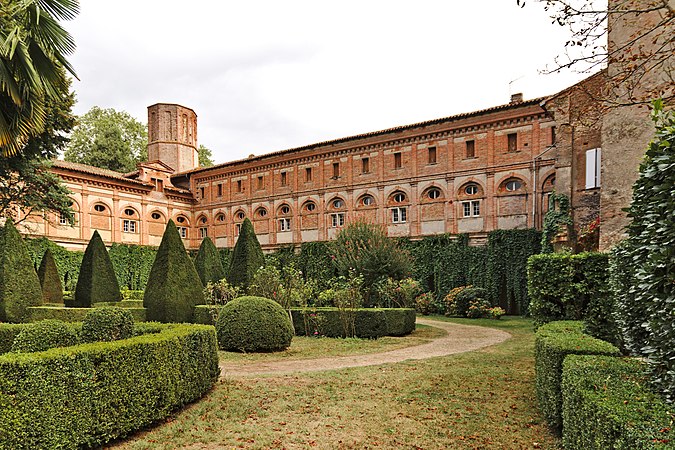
46,334
247,257
67,261
97,281
8,332
645,309
397,293
549,281
208,263
174,287
52,291
107,324
553,342
285,286
129,294
87,395
132,264
19,284
607,403
68,314
254,324
424,303
400,321
314,261
464,298
449,306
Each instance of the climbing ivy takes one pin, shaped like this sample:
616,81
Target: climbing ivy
67,261
556,217
132,264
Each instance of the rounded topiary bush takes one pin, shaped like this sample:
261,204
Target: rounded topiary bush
254,324
44,335
107,324
464,299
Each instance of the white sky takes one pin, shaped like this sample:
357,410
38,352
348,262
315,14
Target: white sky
264,76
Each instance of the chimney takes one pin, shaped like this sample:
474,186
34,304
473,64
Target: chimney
516,98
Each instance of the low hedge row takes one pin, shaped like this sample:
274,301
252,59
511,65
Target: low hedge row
90,394
67,314
553,342
8,332
606,404
368,322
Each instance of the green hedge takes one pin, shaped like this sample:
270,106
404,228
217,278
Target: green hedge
90,394
67,314
369,322
607,404
553,342
8,332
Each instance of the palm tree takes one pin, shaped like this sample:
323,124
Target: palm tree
33,46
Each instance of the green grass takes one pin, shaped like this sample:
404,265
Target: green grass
481,399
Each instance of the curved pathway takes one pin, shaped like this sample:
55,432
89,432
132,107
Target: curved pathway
459,339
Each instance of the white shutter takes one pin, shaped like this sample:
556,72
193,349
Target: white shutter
598,165
591,168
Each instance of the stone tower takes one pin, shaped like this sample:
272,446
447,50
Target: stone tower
172,136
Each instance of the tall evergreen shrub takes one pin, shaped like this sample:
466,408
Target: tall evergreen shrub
52,291
97,281
651,248
174,288
247,257
19,284
208,263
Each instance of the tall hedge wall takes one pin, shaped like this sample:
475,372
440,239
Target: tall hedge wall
87,395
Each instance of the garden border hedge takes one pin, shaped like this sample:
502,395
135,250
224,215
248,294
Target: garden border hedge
553,342
90,394
67,314
607,404
369,322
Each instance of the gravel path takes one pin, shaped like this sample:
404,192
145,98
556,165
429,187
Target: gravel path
460,339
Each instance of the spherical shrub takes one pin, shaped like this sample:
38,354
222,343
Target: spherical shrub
254,324
44,335
464,298
107,324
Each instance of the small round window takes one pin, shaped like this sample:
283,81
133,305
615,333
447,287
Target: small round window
285,209
513,185
471,189
338,203
310,206
241,215
434,193
202,220
399,197
129,212
368,200
156,216
99,208
180,219
220,217
262,212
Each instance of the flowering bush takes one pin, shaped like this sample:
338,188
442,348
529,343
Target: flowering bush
480,308
424,303
286,286
450,303
220,292
495,313
397,294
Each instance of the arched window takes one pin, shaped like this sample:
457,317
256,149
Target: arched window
100,208
398,197
471,189
433,193
220,217
260,213
241,215
309,206
284,210
366,200
512,185
337,203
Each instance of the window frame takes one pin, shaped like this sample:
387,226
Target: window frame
474,208
399,215
431,151
129,226
284,224
337,219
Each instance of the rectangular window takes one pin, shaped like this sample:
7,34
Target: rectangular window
398,215
261,182
201,192
471,208
397,160
238,185
284,179
203,232
471,148
365,165
593,168
159,185
285,224
183,232
512,139
308,174
129,226
432,155
219,190
337,219
237,229
63,220
336,170
552,135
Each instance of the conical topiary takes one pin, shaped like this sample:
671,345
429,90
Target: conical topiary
173,287
97,281
208,264
52,291
19,284
247,257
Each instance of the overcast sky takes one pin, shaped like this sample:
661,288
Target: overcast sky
264,76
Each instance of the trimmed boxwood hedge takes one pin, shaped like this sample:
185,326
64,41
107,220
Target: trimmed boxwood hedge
8,332
46,334
607,404
553,342
66,314
90,394
370,322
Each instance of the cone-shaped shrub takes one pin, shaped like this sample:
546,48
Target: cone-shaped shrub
173,287
52,291
208,264
247,257
19,284
97,281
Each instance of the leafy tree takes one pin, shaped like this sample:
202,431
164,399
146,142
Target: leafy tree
364,249
19,284
205,156
33,49
97,281
247,257
108,139
173,288
208,264
52,291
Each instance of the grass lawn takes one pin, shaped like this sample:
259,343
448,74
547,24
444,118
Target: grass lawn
481,399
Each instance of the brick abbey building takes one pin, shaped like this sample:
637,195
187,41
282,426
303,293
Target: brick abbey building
468,173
